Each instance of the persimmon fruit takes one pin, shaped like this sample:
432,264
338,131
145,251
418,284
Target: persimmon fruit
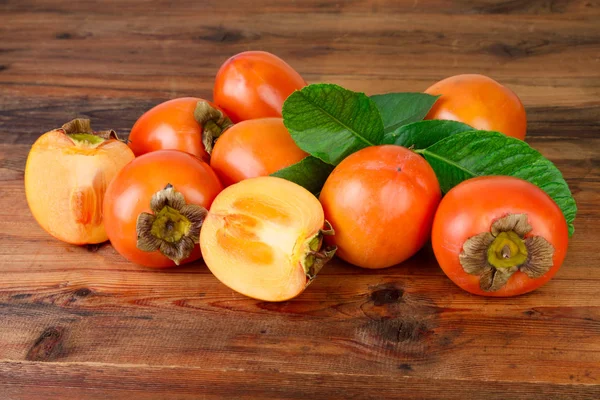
381,201
253,148
155,206
66,175
254,84
263,238
187,124
481,102
499,236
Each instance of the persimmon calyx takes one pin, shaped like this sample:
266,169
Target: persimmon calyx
213,123
496,255
316,256
173,228
327,229
81,133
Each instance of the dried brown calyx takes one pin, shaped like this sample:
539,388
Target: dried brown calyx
173,228
81,132
496,255
213,123
317,256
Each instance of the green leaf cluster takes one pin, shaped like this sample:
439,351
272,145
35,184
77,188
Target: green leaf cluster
330,123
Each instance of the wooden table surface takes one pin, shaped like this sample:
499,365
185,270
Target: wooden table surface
81,322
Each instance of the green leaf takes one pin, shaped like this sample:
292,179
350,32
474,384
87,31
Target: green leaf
330,122
310,173
422,134
399,109
477,153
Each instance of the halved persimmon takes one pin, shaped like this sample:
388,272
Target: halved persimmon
263,236
67,172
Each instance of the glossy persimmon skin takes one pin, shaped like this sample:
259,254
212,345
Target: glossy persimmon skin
169,126
471,207
254,148
254,84
380,201
481,102
130,192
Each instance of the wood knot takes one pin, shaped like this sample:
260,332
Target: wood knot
63,35
386,295
83,292
405,367
48,345
399,330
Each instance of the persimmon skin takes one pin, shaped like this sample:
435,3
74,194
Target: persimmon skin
169,126
130,192
481,102
254,84
256,234
472,206
65,185
381,201
252,148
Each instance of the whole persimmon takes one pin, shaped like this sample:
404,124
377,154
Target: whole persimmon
481,102
253,148
499,236
155,206
381,201
187,124
263,238
66,175
254,84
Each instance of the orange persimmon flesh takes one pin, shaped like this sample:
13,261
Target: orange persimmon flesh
65,181
256,237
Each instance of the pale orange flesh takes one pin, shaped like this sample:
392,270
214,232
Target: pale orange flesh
65,185
256,235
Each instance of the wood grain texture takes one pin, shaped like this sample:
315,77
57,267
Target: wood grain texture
81,322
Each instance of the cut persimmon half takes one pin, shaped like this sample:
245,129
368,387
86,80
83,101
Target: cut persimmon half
263,236
67,172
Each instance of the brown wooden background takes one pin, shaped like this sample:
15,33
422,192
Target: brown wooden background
83,323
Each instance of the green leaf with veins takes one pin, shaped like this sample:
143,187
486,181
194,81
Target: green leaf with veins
422,134
399,109
330,122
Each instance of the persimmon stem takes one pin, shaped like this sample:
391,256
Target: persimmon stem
506,252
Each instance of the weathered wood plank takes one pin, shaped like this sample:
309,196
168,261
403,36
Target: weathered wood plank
81,322
99,381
